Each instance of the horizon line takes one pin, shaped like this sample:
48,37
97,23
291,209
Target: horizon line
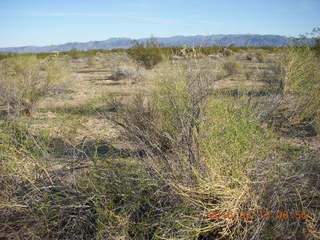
143,38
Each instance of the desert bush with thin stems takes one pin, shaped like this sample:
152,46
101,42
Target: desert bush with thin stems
24,80
295,76
113,60
35,201
74,53
167,119
133,202
201,142
284,186
133,74
294,80
231,67
19,169
299,76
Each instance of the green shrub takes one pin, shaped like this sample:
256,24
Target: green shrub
227,52
200,142
300,77
295,79
74,53
148,54
163,122
230,132
24,80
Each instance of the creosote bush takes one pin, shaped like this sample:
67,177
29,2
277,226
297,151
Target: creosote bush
148,54
227,52
203,143
166,120
299,83
301,78
24,80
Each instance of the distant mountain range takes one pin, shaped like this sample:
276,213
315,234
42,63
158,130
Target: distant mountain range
199,40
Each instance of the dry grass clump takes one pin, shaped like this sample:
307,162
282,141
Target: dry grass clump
287,188
231,67
250,57
24,80
248,74
127,72
35,201
18,173
132,202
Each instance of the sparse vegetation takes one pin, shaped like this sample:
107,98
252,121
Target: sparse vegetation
231,67
25,80
184,153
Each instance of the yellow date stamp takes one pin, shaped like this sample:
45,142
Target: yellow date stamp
259,213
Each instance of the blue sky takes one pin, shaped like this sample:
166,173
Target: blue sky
45,22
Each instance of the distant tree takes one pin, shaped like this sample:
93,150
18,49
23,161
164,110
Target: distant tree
316,36
312,38
148,54
74,53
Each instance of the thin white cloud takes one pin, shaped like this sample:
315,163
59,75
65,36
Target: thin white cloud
166,21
